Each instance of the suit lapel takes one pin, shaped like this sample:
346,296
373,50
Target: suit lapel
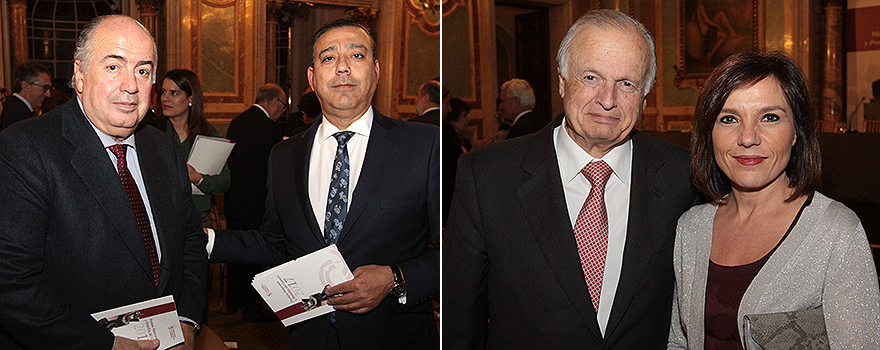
94,167
551,226
302,150
641,237
380,148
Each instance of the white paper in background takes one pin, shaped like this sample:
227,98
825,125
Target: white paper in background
208,155
285,286
158,320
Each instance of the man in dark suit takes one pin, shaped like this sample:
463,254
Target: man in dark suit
78,237
517,100
391,206
532,245
31,85
428,103
255,132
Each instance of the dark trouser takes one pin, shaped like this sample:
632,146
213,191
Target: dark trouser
240,294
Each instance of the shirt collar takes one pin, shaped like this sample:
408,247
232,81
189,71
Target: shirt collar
264,110
360,126
520,115
429,109
106,140
20,97
572,158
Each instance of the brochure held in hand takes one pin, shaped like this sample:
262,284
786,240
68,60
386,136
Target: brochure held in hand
295,290
151,319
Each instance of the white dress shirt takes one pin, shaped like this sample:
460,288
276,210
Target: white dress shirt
134,168
572,158
324,153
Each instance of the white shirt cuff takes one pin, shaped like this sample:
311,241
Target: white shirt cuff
210,246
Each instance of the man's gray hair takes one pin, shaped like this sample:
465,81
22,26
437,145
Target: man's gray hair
85,45
605,18
521,89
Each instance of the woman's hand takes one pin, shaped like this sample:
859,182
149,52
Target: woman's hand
194,176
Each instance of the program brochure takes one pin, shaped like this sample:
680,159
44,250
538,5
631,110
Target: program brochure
294,290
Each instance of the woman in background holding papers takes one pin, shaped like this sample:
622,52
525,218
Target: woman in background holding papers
184,106
769,243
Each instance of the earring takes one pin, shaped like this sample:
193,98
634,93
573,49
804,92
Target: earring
190,104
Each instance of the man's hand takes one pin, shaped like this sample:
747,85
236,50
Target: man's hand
189,337
194,176
370,285
129,344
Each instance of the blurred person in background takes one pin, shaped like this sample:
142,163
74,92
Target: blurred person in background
184,106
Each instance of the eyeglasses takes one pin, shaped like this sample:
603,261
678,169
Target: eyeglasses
283,105
46,87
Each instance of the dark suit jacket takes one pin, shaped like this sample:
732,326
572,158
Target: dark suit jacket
393,216
431,117
70,243
528,123
14,109
254,135
451,152
509,251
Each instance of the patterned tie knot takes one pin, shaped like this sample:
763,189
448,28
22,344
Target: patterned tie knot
119,150
597,173
342,137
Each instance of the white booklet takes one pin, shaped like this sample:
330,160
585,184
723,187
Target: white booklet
208,155
294,289
151,319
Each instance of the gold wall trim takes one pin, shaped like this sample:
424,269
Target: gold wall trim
196,47
219,3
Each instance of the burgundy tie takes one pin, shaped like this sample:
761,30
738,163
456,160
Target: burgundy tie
140,212
591,229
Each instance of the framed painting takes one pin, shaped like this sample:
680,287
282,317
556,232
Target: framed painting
711,30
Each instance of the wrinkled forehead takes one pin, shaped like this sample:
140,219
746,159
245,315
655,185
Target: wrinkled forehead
348,37
623,48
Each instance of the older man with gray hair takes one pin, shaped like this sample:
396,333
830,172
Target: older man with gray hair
564,237
96,211
517,102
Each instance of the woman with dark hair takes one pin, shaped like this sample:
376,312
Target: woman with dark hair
768,242
458,118
184,106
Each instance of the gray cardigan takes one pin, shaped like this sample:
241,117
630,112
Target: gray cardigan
824,261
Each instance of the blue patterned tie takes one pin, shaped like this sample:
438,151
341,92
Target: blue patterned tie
337,200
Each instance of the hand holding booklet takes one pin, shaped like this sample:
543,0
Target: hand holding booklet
151,319
208,155
295,290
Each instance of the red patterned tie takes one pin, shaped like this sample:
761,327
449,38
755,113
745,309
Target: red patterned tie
140,212
591,229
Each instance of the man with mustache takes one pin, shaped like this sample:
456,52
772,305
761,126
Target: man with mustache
368,184
95,208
